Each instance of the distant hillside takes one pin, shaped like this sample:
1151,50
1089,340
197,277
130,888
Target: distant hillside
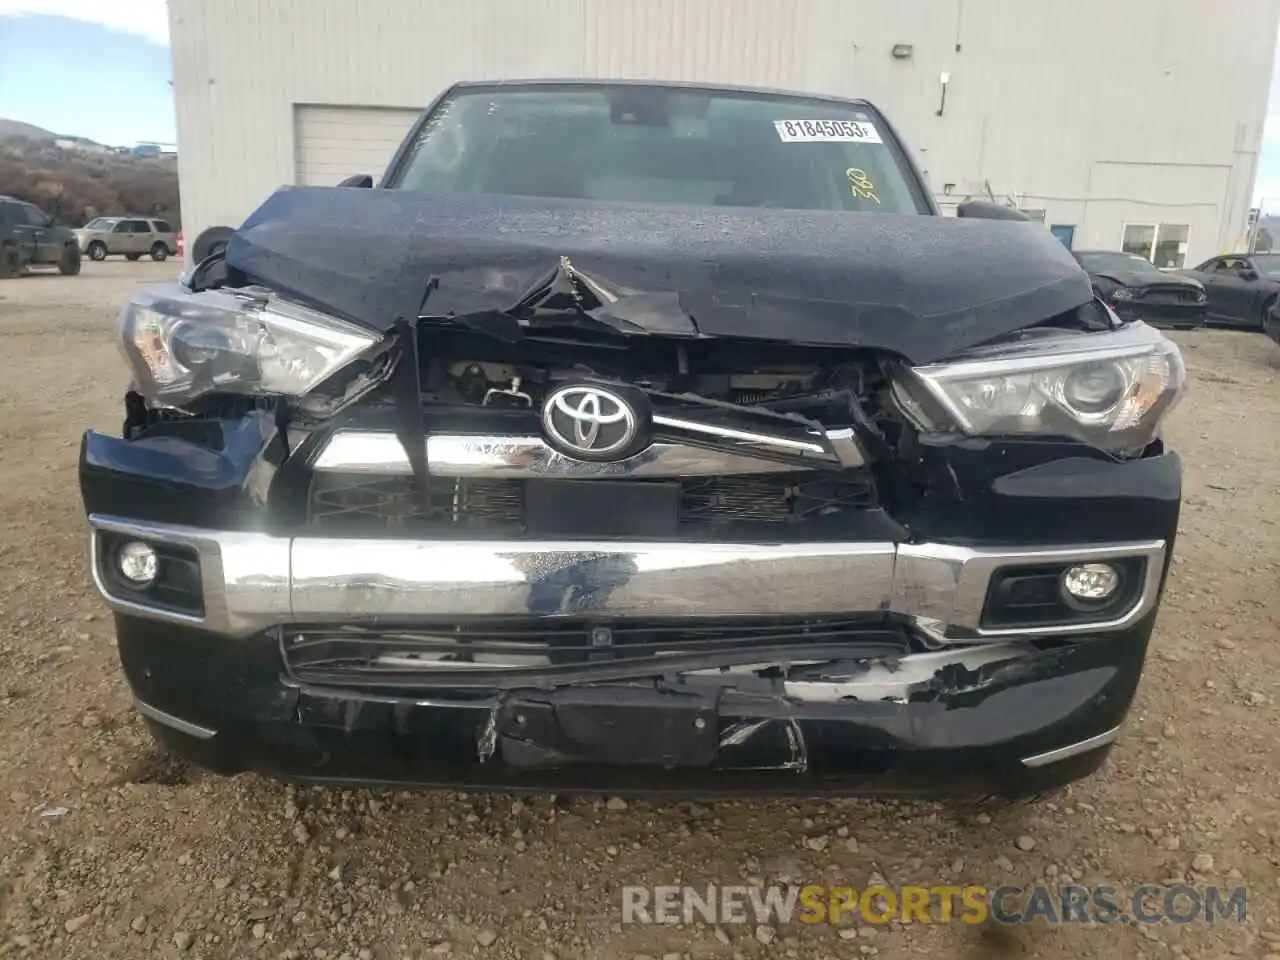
74,186
16,128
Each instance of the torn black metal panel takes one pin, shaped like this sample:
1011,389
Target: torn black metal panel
619,725
920,286
568,297
190,470
410,422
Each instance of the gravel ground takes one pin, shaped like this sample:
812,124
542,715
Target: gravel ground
111,851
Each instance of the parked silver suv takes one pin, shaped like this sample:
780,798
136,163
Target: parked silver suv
128,236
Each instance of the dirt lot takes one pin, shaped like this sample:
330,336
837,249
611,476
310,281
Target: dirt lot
107,851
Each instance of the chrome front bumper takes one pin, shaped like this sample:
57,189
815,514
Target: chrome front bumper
253,581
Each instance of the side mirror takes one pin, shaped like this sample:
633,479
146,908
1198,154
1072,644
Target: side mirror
986,210
362,180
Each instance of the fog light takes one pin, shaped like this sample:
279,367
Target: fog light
137,562
1091,581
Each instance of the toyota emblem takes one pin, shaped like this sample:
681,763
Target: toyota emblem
588,422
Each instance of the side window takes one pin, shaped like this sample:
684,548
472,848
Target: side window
141,226
121,227
33,216
7,214
162,226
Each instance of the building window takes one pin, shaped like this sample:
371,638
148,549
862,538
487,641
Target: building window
1164,244
1066,232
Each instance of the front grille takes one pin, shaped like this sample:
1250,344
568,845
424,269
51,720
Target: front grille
353,654
372,505
364,503
1171,294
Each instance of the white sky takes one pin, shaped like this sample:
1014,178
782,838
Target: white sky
145,18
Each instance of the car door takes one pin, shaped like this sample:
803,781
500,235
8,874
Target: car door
1239,291
47,247
164,233
139,236
22,232
1226,289
1208,274
121,239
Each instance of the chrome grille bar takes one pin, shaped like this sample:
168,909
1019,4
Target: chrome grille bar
530,457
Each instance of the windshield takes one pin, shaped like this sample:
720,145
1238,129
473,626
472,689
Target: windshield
647,144
1129,263
99,223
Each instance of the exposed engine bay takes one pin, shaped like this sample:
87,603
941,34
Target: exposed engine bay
807,383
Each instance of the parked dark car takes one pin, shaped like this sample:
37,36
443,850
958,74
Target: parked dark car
1242,288
646,437
1137,290
29,237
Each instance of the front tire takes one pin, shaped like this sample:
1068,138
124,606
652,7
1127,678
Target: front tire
69,263
159,252
1266,312
97,250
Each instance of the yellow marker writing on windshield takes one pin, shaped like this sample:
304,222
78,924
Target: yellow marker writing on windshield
861,184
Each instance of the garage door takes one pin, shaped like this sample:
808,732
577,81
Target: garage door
335,142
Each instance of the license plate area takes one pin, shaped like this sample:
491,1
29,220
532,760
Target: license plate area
610,726
602,508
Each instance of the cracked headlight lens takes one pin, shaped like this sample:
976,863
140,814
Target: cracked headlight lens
181,345
1109,389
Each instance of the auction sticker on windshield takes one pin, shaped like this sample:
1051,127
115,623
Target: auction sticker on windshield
818,131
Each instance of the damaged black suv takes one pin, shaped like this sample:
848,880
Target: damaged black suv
630,437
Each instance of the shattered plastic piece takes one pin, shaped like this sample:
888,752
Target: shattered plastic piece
51,812
488,744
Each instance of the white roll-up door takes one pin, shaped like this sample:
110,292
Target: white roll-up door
332,143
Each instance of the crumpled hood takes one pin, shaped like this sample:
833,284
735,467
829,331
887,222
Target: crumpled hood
920,286
1142,280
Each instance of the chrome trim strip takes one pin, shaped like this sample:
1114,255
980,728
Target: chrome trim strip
1072,749
253,581
177,723
456,455
362,451
531,457
780,444
949,583
343,579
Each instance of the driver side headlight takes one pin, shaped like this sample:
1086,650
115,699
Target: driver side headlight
1108,389
181,345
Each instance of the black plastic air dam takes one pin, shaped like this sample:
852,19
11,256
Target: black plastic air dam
963,733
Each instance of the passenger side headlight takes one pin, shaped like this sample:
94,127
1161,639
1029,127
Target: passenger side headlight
1109,389
181,345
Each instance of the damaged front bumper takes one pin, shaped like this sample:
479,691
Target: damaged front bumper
855,667
893,660
1000,719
